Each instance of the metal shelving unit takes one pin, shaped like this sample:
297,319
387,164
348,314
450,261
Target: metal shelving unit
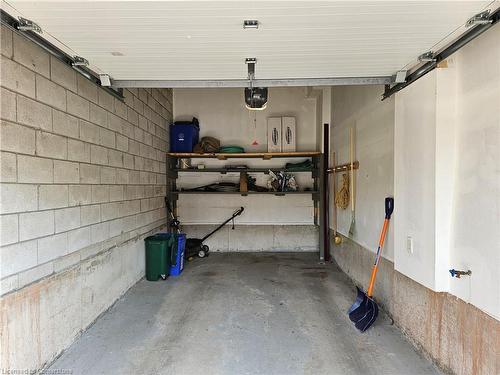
318,173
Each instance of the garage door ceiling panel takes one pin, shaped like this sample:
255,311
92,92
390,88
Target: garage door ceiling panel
205,40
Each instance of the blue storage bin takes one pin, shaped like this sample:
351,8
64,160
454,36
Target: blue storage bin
177,252
178,260
184,135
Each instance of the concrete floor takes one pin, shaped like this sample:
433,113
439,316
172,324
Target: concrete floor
242,313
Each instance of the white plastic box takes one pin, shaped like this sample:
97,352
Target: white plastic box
274,134
288,134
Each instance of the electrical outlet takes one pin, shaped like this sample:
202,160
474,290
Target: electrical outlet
409,244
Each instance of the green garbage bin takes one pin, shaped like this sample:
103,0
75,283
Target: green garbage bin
158,255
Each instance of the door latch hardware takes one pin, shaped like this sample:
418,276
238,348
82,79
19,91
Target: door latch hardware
457,273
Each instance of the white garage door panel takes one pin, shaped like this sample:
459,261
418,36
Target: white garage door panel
204,40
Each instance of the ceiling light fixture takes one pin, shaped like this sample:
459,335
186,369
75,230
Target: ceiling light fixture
255,97
250,24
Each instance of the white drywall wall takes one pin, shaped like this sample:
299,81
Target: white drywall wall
447,175
360,107
475,238
414,179
425,149
444,182
222,114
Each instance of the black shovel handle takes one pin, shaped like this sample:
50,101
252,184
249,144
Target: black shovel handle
389,207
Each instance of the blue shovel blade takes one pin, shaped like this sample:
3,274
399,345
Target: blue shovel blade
365,313
359,299
369,317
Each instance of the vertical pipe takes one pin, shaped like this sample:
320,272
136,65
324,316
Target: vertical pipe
320,217
334,189
325,220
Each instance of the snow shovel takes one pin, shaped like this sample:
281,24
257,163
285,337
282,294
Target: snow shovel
364,310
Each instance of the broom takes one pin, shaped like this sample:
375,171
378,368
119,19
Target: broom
351,151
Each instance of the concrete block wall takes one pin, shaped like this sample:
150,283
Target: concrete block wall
82,183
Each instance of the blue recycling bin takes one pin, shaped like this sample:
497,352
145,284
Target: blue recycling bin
184,135
177,265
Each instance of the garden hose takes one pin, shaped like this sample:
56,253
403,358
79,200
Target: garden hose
231,150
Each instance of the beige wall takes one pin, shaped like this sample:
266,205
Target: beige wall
223,115
360,108
82,183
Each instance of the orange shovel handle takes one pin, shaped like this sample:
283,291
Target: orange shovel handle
379,254
372,281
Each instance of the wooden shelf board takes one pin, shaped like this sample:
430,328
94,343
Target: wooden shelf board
235,170
247,193
263,155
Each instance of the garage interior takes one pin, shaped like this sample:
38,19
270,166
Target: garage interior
386,100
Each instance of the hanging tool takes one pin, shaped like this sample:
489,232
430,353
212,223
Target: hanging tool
364,310
351,151
342,196
336,236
